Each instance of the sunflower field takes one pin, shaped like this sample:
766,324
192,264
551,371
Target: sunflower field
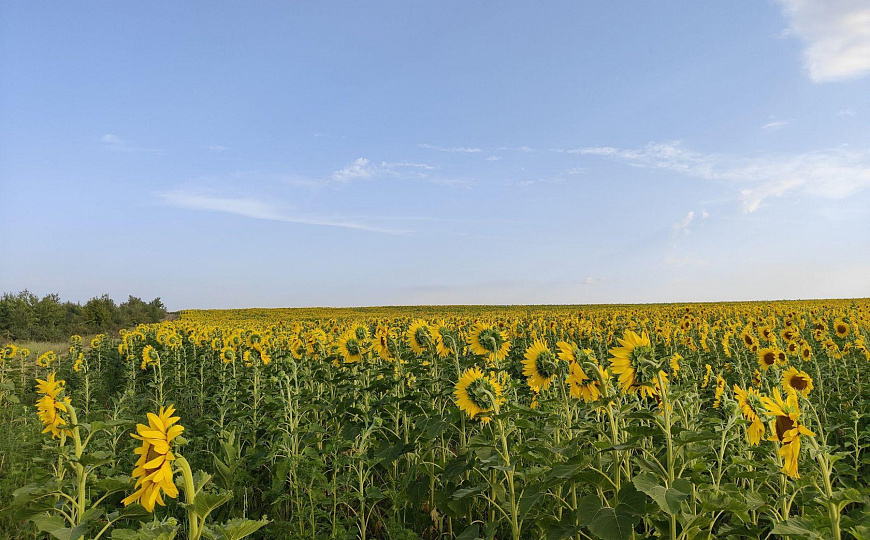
692,421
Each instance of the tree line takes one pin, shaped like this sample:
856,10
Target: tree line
26,317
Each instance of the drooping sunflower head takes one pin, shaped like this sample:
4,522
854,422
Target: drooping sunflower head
540,366
51,404
228,355
752,408
785,412
798,381
478,394
445,340
581,386
488,341
419,336
153,470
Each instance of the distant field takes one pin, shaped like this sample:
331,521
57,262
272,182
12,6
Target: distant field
737,420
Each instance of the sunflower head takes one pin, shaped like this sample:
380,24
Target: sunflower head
419,336
51,404
767,357
540,366
635,362
841,328
478,394
489,341
752,408
153,470
797,381
350,348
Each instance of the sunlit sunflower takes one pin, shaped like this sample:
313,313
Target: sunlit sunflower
841,328
750,404
635,363
381,343
153,470
228,355
806,351
46,359
488,341
675,365
350,348
799,381
540,366
51,404
445,340
580,385
419,336
749,339
707,374
786,428
478,394
720,389
767,357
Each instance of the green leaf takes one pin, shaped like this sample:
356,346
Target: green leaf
668,499
236,529
802,528
472,532
204,503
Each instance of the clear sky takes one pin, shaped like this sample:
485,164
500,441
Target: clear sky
241,154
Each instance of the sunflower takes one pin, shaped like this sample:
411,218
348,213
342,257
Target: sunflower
153,470
350,348
786,428
228,355
749,339
707,374
720,389
675,365
750,404
540,366
798,381
478,394
767,357
488,341
419,336
46,359
443,340
806,351
581,386
841,328
381,343
50,405
635,363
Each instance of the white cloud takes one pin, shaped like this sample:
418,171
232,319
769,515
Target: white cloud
776,124
836,34
397,164
215,148
257,209
832,174
494,158
454,149
113,142
590,280
682,226
705,214
359,168
845,112
111,139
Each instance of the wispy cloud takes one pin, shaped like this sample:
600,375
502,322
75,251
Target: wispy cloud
832,174
258,209
842,113
215,148
402,164
836,34
113,142
682,226
360,168
775,125
454,149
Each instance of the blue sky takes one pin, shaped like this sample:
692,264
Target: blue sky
238,154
